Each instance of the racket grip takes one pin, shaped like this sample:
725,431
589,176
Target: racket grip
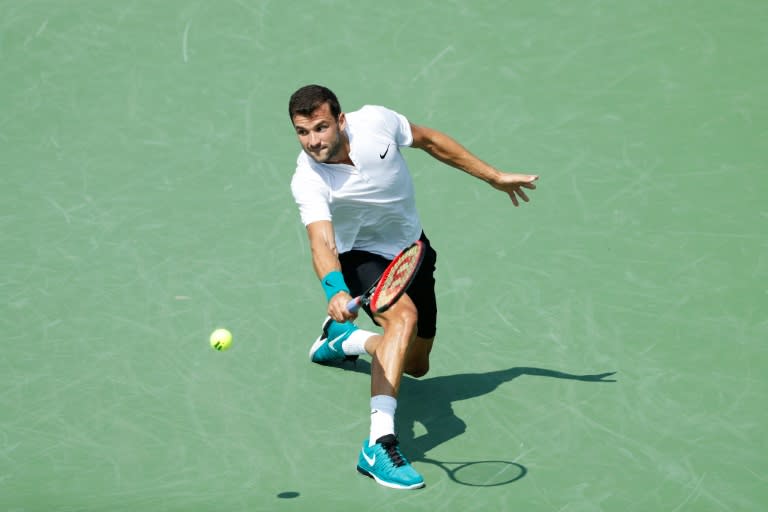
354,305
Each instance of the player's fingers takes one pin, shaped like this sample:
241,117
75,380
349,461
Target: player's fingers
344,314
522,195
336,312
514,198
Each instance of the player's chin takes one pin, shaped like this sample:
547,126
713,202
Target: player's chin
320,157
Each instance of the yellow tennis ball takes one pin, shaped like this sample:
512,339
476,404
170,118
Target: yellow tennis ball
221,339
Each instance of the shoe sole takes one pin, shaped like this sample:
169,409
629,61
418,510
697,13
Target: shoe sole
389,484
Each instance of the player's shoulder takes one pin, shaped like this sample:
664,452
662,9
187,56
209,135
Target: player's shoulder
306,168
377,119
307,175
372,112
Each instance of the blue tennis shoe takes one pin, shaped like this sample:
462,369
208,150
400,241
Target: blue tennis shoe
387,465
327,348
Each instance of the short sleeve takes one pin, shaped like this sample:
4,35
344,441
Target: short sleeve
403,136
397,125
311,194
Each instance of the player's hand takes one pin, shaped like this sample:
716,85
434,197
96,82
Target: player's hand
337,307
513,184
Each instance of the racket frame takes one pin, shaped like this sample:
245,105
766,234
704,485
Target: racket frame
366,299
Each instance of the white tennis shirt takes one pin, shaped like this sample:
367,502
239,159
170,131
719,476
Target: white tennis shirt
371,204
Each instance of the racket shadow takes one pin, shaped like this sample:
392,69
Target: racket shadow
429,401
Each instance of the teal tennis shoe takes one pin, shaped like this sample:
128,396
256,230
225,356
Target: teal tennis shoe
327,348
386,464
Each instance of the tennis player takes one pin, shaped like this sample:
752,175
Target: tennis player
356,198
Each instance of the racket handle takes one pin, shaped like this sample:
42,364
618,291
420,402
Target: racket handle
354,305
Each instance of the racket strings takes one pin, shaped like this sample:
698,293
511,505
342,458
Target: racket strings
395,280
398,276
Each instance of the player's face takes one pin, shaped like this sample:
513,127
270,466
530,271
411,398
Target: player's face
321,135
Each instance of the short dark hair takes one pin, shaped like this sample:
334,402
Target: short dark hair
309,98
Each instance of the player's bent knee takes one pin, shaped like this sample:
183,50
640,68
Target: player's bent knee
405,315
417,363
410,320
418,371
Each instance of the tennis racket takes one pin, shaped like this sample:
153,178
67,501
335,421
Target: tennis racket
393,282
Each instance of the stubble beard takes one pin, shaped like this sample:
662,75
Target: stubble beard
331,152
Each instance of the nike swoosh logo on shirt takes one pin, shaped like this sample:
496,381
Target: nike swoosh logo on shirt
385,153
370,460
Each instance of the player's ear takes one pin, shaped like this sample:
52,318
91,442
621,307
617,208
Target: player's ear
342,121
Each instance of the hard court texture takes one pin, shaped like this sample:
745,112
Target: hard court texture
606,342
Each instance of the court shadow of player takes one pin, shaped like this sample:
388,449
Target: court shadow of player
429,401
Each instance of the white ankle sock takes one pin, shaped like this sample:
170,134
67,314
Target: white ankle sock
355,344
382,417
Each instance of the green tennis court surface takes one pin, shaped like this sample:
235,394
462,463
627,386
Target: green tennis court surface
601,348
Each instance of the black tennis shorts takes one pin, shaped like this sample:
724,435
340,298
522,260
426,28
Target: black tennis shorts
362,268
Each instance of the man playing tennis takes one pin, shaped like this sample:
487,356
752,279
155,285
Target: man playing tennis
356,198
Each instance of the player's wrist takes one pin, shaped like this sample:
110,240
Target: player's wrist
333,283
494,177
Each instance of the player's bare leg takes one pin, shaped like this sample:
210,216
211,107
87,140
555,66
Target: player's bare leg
390,350
380,457
417,359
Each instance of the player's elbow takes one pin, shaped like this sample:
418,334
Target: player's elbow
423,138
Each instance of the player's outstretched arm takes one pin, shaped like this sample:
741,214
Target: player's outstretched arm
325,260
449,151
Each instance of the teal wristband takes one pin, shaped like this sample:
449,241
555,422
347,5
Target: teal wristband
333,283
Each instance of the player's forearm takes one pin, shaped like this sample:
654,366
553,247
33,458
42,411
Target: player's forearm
322,243
449,151
324,259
